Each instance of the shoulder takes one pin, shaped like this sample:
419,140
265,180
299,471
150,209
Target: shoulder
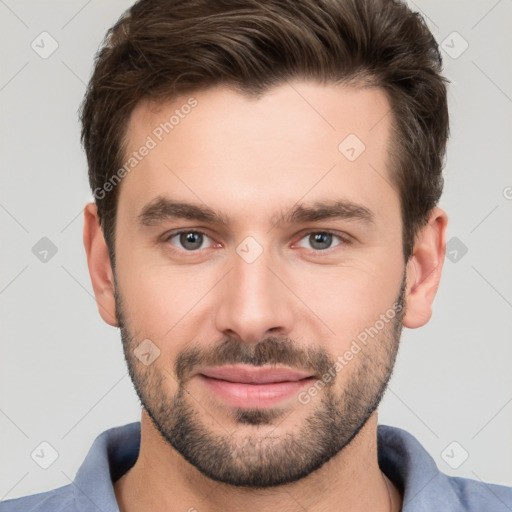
57,500
475,495
113,452
424,487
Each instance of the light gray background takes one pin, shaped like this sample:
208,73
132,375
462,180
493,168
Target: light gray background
63,376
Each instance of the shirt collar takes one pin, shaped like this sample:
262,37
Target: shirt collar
112,454
410,467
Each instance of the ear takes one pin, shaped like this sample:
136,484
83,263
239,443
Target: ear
424,270
100,269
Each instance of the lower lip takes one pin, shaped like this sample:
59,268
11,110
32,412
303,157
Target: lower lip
254,396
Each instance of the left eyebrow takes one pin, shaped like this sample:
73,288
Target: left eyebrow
321,210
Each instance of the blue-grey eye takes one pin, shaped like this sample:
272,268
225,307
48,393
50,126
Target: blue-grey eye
191,240
320,240
188,240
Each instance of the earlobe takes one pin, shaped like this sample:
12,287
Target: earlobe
99,264
424,270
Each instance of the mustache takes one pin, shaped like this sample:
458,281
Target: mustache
270,351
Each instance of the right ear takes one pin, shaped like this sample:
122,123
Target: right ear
100,268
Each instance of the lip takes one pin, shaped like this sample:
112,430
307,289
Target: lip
254,375
255,388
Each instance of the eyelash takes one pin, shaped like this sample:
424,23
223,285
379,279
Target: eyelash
344,240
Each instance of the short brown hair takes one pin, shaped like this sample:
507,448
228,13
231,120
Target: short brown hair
160,49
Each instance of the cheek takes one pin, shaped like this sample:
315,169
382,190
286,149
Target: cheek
349,297
162,302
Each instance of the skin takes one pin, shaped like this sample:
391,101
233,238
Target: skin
252,159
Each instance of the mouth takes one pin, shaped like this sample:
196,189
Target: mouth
255,388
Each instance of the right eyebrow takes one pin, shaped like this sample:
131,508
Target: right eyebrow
162,209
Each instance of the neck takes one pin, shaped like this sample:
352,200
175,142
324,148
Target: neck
161,480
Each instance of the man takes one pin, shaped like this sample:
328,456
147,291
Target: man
266,175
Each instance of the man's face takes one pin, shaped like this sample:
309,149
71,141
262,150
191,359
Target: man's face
272,286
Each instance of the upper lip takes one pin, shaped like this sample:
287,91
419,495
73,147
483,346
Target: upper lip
254,375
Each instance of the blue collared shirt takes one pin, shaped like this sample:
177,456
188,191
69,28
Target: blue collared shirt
401,457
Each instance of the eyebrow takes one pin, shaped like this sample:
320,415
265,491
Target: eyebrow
162,209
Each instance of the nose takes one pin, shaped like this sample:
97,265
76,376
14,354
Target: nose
254,300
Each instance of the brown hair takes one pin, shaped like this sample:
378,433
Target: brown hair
160,49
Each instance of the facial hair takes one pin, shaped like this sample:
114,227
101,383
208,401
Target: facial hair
259,461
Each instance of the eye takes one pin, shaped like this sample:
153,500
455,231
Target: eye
322,240
194,241
189,240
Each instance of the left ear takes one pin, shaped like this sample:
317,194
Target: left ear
424,270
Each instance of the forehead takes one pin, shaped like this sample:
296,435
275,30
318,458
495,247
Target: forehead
298,139
293,109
